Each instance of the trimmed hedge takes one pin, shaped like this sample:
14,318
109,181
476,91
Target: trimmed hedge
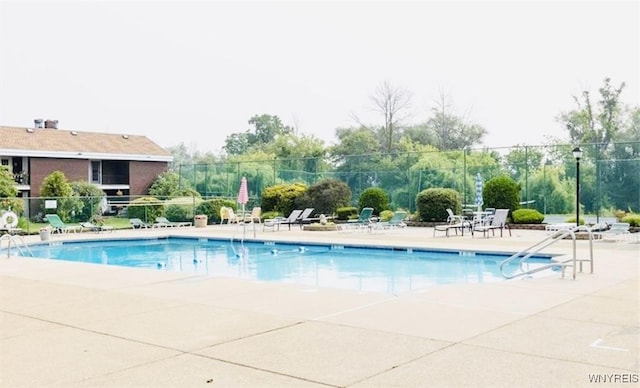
527,216
432,204
374,197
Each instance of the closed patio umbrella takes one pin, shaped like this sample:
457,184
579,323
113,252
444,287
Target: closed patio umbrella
479,201
243,198
243,194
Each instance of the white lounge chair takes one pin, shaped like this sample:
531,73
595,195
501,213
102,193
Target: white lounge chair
499,221
619,231
559,226
89,226
276,222
454,222
164,222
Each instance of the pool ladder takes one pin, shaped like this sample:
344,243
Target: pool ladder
17,242
556,236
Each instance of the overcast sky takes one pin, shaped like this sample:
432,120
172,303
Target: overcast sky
195,72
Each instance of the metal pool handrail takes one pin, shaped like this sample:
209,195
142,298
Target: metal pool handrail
17,241
558,235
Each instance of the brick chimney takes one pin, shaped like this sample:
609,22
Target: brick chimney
52,124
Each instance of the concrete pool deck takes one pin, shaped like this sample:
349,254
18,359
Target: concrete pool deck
84,325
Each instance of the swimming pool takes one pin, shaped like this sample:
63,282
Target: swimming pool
377,269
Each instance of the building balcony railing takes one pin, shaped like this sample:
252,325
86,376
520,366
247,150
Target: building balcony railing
21,178
115,179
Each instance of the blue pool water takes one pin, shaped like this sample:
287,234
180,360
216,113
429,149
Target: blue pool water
390,270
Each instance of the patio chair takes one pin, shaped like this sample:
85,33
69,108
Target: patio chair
454,222
164,222
91,227
619,231
137,223
550,228
254,216
305,217
363,220
454,218
499,221
227,213
58,226
396,221
276,222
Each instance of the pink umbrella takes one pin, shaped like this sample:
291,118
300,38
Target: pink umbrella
243,194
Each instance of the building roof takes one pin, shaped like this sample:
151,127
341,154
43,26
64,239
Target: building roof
58,143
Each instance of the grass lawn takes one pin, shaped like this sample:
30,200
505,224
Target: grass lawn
116,222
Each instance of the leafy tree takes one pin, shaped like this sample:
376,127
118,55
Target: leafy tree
551,193
326,196
521,160
8,192
237,143
354,141
181,156
167,184
266,128
600,124
56,186
91,197
7,184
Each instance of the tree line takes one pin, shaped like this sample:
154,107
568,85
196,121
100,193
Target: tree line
443,151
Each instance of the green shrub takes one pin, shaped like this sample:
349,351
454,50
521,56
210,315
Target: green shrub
91,197
282,198
632,218
572,220
527,216
386,215
501,192
211,208
145,208
326,196
374,197
270,215
432,204
179,213
347,212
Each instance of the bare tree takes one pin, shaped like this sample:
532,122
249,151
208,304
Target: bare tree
393,102
451,131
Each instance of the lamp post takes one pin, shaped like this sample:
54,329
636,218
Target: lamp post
577,153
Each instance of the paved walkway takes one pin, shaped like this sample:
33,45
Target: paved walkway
82,325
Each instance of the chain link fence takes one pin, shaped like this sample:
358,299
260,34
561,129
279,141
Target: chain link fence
609,175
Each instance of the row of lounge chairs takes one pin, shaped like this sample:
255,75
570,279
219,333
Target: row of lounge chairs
365,220
161,222
58,226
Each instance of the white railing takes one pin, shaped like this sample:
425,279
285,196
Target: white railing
525,254
17,242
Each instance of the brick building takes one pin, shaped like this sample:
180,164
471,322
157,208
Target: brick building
117,163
